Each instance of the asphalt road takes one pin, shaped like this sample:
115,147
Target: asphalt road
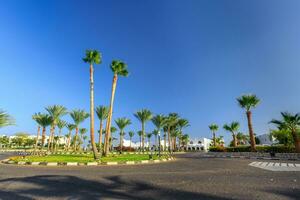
189,177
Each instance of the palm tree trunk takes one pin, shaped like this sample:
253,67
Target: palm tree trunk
43,137
156,145
234,140
165,142
108,121
50,137
214,139
37,138
121,143
140,143
296,141
251,133
143,136
92,119
100,136
169,141
75,138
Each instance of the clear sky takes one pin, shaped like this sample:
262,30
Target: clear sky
193,57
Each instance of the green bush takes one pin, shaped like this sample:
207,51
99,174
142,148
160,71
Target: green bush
217,149
238,149
262,149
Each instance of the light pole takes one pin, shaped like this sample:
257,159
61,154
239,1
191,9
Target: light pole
159,143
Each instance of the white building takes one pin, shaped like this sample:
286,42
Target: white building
200,144
265,139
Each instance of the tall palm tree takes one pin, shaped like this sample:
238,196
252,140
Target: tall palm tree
102,113
233,127
140,133
159,122
149,135
70,127
291,123
182,123
36,117
5,119
78,117
248,102
60,125
171,123
56,112
214,128
122,123
45,120
143,116
131,134
119,68
92,57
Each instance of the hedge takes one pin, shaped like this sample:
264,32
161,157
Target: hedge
262,149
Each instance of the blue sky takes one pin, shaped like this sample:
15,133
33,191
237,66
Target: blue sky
193,57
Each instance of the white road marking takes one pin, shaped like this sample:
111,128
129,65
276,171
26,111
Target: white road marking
276,166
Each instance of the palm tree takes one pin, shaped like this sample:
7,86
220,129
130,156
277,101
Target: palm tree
149,135
143,116
60,125
165,128
5,119
56,112
92,57
44,121
70,127
233,128
112,130
102,113
182,123
291,123
78,117
140,133
131,134
82,132
155,133
214,128
159,122
122,123
119,68
248,102
171,123
36,117
185,139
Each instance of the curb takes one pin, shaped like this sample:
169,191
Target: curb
7,161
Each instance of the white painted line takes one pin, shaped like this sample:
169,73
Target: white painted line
35,163
72,163
91,163
130,163
111,163
51,164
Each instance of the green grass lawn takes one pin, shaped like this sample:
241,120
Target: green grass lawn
84,158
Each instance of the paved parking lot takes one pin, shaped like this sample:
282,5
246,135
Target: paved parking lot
189,177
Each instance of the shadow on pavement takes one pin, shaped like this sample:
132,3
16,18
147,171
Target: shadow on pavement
71,187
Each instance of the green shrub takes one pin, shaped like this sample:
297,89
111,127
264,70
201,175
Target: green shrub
238,149
217,149
262,149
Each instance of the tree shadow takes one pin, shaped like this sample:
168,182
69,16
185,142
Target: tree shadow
71,187
291,193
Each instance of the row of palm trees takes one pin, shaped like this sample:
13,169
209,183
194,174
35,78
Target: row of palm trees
290,124
172,125
247,102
